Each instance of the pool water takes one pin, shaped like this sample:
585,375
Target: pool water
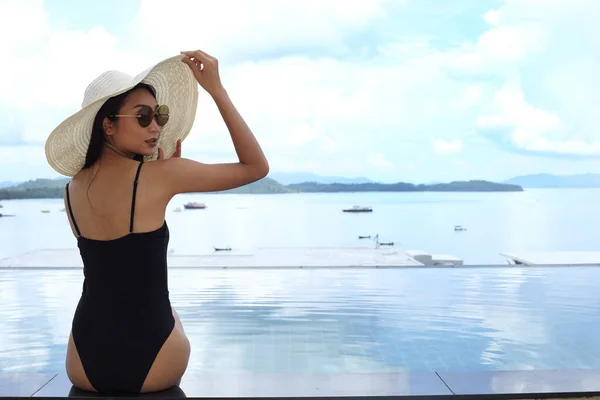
337,320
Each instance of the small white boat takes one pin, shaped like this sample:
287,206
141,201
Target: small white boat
459,228
178,209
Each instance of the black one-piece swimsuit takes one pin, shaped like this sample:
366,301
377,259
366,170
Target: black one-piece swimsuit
124,315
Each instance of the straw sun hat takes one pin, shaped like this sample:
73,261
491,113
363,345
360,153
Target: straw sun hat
176,87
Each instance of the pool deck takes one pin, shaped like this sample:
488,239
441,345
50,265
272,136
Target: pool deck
410,385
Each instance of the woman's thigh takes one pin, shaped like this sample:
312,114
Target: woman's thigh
171,361
75,370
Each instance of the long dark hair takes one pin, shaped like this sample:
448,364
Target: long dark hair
111,106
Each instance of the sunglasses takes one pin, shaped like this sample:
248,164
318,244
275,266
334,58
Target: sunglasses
146,115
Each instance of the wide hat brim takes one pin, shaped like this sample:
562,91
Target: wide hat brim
176,86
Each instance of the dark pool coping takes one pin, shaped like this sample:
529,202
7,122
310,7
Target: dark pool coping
529,384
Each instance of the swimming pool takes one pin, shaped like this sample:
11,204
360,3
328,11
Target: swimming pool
337,320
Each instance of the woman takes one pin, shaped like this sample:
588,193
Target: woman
123,152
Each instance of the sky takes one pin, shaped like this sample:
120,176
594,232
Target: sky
392,90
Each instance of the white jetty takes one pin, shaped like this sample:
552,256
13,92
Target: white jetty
553,258
434,259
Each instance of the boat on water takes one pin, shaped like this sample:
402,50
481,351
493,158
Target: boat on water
193,205
458,228
382,243
355,209
222,248
6,215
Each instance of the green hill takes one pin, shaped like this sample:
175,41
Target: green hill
37,189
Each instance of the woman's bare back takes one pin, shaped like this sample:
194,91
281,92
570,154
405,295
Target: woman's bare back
101,200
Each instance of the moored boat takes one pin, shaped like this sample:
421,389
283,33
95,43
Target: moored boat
355,209
193,205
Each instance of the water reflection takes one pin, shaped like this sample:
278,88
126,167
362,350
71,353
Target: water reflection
354,320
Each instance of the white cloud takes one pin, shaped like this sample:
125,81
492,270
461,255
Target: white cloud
500,49
50,67
379,160
235,29
514,111
551,49
447,147
532,128
471,96
21,163
492,17
13,29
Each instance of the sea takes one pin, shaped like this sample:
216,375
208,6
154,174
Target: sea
532,220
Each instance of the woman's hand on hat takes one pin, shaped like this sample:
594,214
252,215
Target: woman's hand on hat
177,153
205,69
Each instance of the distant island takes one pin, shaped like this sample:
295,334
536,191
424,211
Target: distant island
54,188
37,189
305,182
457,186
556,181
